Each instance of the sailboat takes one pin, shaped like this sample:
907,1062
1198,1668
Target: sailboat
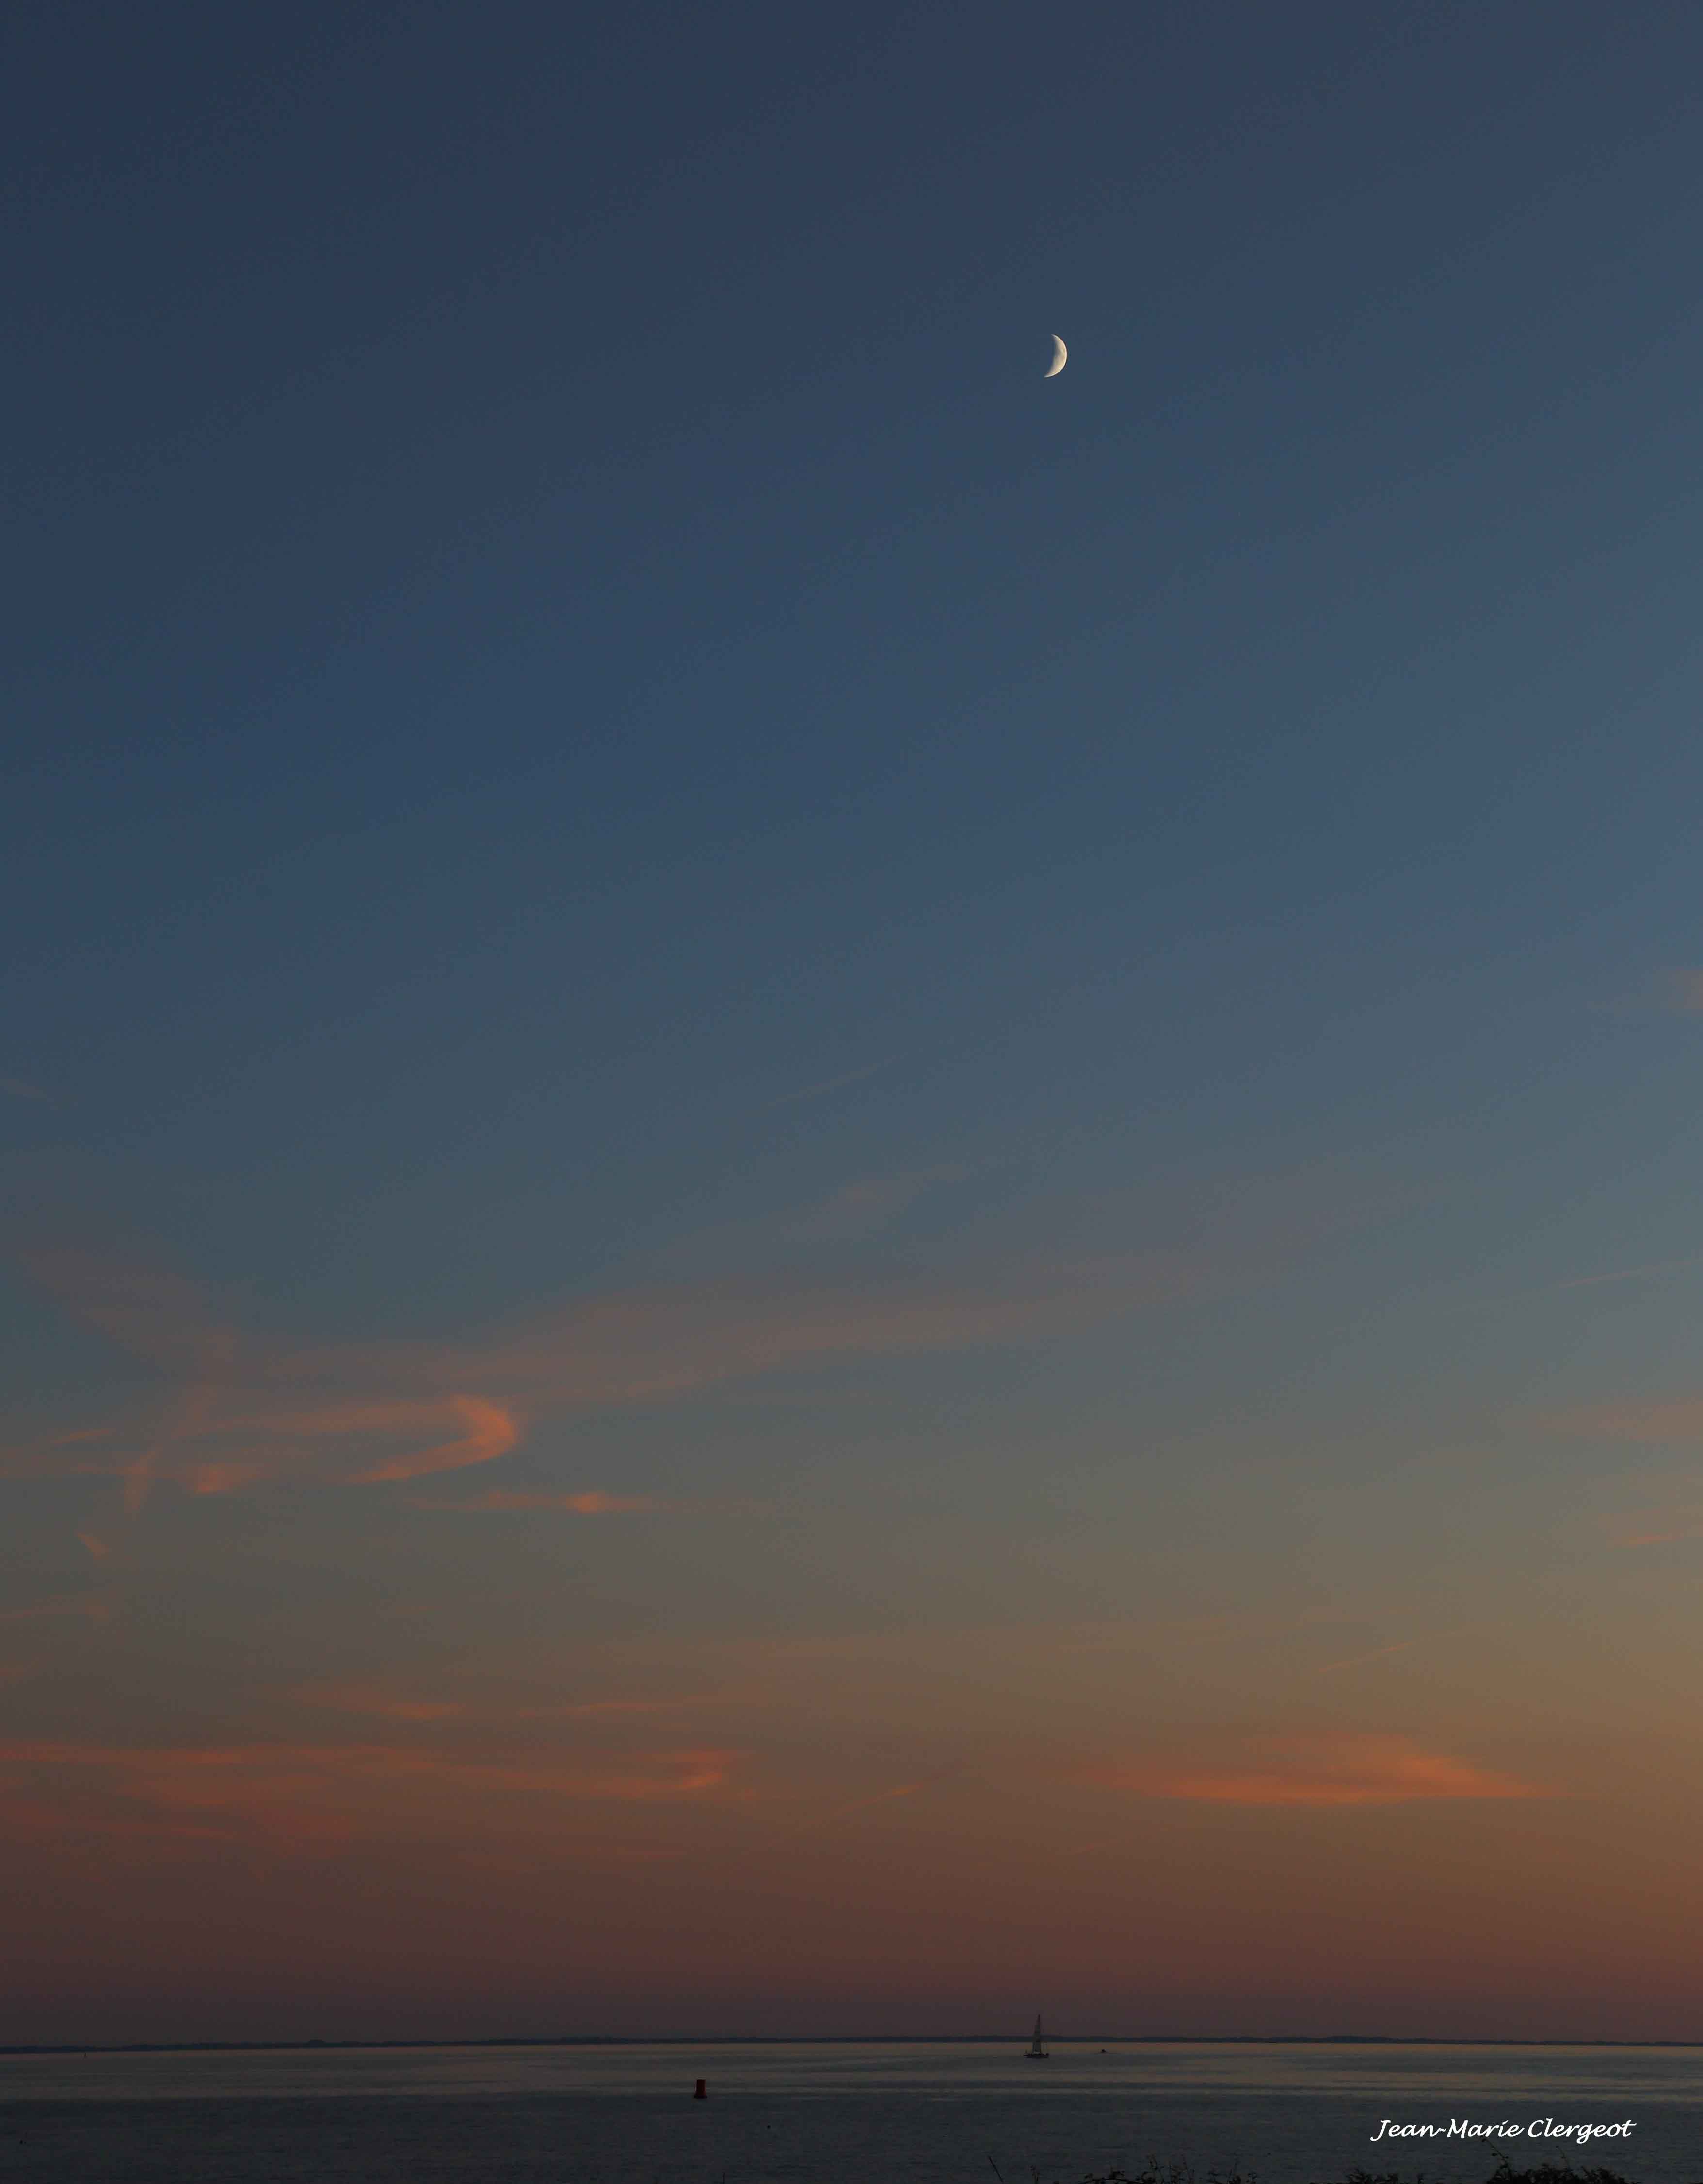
1036,2051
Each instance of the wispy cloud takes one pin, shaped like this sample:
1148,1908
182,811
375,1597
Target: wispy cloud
20,1088
372,1703
1656,1528
317,1797
611,1709
1678,988
208,1440
594,1503
489,1430
154,1314
899,1791
865,1206
281,1439
1651,1271
160,1318
833,1083
811,1824
649,1344
1331,1770
1673,1421
96,1607
1383,1652
237,1410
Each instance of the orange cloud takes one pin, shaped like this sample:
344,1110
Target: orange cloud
363,1699
148,1311
1658,1529
290,1437
223,1478
62,1455
867,1804
20,1088
309,1797
239,1412
1382,1652
861,1208
96,1605
1681,990
489,1431
1680,1421
652,1344
258,1444
1334,1770
672,1774
160,1318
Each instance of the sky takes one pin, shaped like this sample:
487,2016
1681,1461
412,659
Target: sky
841,1191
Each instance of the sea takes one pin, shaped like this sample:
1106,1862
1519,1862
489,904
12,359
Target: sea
849,2112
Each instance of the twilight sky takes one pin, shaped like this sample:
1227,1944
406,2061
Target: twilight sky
839,1191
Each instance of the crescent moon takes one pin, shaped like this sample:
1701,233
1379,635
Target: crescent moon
1060,353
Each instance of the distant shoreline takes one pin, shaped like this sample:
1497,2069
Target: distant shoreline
818,2040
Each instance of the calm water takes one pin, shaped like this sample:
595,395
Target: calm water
940,2113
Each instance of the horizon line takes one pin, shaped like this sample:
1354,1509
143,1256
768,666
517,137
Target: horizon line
826,2039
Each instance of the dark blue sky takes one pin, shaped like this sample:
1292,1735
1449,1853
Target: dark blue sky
580,716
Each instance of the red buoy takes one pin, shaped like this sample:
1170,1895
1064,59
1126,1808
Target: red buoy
700,2094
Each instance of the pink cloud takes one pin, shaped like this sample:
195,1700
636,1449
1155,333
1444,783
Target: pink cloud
1332,1770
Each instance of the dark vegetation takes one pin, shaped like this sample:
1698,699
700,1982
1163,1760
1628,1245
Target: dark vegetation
1179,2172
